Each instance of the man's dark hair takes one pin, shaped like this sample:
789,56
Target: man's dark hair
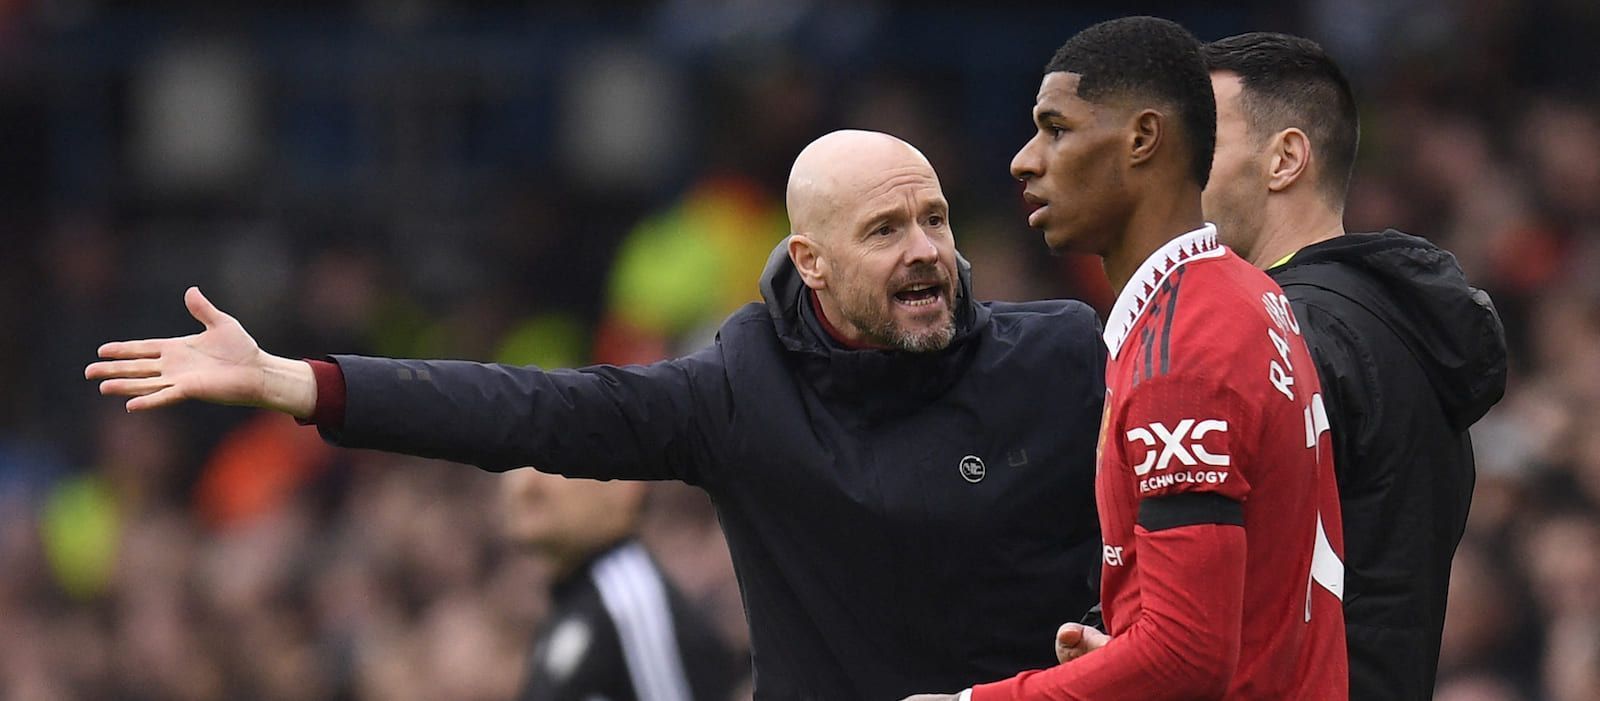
1289,81
1147,57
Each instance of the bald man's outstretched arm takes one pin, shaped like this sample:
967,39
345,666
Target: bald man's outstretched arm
637,422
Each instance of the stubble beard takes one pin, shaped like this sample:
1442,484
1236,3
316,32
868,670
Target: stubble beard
876,322
927,340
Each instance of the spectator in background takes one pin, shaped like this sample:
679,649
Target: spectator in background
1561,556
1477,688
1409,354
617,629
1572,663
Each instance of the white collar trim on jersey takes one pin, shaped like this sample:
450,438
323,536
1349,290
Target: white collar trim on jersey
1195,245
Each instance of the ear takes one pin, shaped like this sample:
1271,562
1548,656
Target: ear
808,258
1290,152
1146,133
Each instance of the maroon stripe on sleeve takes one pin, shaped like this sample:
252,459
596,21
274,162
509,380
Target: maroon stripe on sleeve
329,411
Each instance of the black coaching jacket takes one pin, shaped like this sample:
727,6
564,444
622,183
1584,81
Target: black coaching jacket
899,522
1410,356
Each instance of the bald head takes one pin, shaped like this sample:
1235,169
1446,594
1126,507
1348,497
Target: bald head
842,169
872,240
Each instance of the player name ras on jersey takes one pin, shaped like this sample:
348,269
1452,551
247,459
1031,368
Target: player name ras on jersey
1281,375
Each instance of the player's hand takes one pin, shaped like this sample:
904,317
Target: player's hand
221,364
1074,640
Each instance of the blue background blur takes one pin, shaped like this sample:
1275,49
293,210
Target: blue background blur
559,184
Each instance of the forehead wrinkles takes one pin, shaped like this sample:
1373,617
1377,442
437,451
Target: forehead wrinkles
896,181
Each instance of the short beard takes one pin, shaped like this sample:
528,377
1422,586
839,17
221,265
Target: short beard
881,330
925,341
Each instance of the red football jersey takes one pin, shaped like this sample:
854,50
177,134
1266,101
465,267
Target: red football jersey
1211,393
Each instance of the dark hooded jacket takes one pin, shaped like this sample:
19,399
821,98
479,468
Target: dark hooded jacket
1410,356
898,522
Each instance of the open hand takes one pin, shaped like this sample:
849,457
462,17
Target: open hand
221,364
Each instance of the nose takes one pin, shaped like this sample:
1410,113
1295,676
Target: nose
920,247
1025,164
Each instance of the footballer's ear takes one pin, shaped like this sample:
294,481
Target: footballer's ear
1144,136
1290,159
810,260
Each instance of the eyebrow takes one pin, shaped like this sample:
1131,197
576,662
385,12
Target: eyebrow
1048,115
941,205
881,216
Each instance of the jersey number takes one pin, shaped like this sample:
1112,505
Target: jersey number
1327,570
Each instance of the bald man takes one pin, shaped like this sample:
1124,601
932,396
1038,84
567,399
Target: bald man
904,475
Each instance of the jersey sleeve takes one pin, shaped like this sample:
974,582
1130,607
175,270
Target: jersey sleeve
1184,646
1185,436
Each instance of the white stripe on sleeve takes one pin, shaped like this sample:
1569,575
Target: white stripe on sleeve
634,595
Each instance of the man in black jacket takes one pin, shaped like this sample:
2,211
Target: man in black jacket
617,628
1409,354
904,475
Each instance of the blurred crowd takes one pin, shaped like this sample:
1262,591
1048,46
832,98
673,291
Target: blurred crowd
552,184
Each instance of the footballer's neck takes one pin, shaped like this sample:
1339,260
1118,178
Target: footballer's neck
1153,222
1291,226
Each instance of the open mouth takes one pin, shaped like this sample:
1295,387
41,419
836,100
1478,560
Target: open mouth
920,295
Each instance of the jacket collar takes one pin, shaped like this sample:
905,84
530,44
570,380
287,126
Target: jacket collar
1421,295
879,381
1195,245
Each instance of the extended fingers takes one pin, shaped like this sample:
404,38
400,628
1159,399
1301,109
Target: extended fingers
134,387
150,348
202,309
114,369
156,400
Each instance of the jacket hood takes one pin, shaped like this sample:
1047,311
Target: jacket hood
1451,326
876,377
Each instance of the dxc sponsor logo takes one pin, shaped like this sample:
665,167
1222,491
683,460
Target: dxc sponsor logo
1181,442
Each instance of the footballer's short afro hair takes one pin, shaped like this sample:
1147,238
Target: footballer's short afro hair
1152,59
